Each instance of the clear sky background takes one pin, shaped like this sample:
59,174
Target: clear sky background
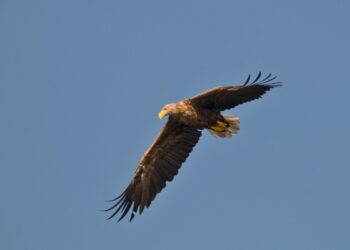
81,83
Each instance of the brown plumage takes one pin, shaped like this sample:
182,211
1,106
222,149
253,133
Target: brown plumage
162,160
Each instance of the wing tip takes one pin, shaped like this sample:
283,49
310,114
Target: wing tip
266,81
122,205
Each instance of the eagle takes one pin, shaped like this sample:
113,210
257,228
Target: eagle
186,120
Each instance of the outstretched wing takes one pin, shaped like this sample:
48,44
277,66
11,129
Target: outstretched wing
159,164
221,98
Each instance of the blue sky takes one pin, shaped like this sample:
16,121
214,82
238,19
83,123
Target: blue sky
81,83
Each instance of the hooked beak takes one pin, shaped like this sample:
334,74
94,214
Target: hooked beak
161,114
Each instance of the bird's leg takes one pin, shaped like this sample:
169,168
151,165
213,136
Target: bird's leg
219,127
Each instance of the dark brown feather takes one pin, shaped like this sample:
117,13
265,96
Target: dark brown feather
159,164
221,98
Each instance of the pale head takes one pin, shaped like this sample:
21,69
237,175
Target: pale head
167,110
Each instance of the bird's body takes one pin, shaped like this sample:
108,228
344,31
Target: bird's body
187,114
187,119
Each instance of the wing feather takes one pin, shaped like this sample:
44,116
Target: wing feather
227,97
159,164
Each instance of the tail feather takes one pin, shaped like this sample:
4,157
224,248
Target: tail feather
231,129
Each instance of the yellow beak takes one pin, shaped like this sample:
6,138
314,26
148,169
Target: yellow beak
161,114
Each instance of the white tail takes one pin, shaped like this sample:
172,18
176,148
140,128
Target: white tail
232,128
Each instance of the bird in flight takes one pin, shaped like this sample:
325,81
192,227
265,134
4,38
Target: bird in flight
187,118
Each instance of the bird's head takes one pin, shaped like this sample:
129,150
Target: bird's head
167,110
